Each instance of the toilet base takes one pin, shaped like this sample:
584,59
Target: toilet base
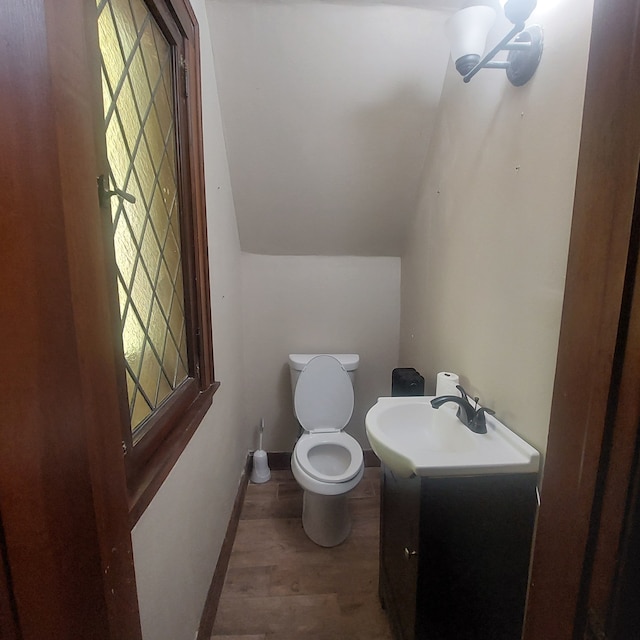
325,519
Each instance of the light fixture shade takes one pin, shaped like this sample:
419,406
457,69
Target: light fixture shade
517,11
467,31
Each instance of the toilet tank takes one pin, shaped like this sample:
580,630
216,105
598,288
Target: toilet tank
298,361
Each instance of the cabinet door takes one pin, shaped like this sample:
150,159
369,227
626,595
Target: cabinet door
475,547
399,546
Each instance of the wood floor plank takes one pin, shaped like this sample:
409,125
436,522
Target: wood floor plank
365,515
247,581
260,636
264,544
366,488
362,617
273,507
282,586
317,579
302,615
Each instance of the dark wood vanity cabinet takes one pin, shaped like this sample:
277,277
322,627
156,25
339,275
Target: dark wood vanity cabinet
454,555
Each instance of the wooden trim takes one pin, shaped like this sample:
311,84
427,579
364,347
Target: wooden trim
371,459
278,460
604,200
619,447
217,582
198,189
151,476
8,610
623,617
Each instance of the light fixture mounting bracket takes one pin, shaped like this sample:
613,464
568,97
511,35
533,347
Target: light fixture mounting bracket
524,62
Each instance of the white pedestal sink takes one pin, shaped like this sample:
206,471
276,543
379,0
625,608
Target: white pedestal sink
413,438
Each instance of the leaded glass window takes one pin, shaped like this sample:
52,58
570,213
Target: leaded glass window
140,126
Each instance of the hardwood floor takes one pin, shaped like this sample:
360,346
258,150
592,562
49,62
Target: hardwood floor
281,586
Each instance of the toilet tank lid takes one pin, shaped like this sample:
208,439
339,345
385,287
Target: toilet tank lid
298,361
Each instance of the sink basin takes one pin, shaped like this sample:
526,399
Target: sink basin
413,438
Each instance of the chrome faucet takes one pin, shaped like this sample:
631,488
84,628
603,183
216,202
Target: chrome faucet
473,417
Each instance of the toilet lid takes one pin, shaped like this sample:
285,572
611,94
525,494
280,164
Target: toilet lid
324,395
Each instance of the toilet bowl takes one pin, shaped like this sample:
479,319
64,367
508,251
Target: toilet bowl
326,462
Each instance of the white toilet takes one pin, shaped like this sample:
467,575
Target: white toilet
326,462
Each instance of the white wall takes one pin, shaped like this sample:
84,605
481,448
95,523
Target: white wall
328,108
483,273
316,304
178,538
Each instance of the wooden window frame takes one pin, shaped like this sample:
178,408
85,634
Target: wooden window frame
165,434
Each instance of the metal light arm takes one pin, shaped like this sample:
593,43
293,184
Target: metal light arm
525,52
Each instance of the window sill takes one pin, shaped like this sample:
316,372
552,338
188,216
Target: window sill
146,484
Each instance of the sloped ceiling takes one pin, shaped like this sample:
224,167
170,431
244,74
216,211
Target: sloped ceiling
327,109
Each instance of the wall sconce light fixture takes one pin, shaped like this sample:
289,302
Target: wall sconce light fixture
467,31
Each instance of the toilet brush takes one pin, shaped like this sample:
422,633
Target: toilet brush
260,472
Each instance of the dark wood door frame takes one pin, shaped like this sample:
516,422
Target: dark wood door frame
586,373
63,499
610,548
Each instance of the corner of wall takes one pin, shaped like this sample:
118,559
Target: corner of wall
178,538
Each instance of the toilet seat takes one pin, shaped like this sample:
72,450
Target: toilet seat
323,456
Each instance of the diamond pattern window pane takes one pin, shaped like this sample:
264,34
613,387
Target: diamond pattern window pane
138,100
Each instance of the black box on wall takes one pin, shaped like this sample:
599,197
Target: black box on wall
406,382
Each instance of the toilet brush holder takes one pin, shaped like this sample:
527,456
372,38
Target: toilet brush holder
260,472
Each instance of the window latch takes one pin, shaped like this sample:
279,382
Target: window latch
104,194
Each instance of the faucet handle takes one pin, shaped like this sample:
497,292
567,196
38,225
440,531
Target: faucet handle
479,421
465,396
463,393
